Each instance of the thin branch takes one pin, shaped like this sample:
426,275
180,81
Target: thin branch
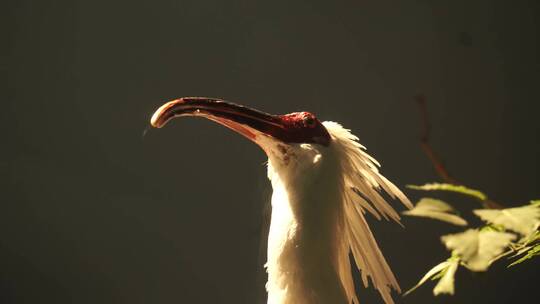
438,165
426,147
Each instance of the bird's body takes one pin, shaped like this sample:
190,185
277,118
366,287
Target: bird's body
305,228
317,219
323,183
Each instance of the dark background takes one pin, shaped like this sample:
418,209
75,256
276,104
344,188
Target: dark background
92,212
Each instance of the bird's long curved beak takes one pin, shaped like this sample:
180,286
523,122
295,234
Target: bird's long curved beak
246,121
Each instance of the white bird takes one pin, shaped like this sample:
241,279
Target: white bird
323,183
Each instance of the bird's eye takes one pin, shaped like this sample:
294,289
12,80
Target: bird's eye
309,121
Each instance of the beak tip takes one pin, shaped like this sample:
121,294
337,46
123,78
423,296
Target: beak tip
154,121
157,120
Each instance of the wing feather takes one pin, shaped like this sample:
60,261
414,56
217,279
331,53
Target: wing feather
364,185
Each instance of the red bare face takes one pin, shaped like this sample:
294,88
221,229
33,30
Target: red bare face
304,127
298,127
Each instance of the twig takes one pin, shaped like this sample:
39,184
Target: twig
438,165
426,147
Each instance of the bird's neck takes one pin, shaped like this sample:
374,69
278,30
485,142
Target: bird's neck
304,236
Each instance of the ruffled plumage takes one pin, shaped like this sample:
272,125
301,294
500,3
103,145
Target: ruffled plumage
363,186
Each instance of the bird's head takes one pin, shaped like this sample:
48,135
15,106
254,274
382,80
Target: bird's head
268,131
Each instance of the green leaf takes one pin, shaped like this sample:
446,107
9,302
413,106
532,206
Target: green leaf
445,272
449,187
523,220
477,248
446,283
432,272
436,209
535,251
531,238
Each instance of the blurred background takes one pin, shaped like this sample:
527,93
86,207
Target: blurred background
93,212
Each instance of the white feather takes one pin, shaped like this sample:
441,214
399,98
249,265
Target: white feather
318,219
360,172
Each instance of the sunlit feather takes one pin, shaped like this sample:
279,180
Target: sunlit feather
336,192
